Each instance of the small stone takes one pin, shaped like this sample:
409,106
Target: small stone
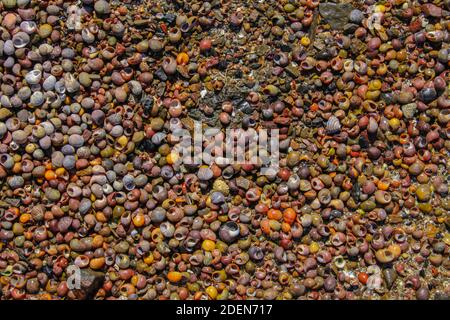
432,10
141,22
5,113
405,97
102,7
409,110
221,186
205,174
356,16
85,79
52,194
350,28
160,74
45,30
293,71
390,275
9,4
170,18
243,183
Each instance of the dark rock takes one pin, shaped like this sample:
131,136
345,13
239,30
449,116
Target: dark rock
363,142
91,282
147,102
48,271
161,74
148,146
324,55
387,97
286,48
222,65
170,18
427,94
350,28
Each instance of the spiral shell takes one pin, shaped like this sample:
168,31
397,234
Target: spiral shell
333,125
28,26
33,77
20,40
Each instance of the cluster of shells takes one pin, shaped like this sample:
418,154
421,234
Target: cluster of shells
359,91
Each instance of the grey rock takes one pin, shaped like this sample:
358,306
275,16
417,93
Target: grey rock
390,275
85,205
243,183
336,15
356,16
160,74
409,110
